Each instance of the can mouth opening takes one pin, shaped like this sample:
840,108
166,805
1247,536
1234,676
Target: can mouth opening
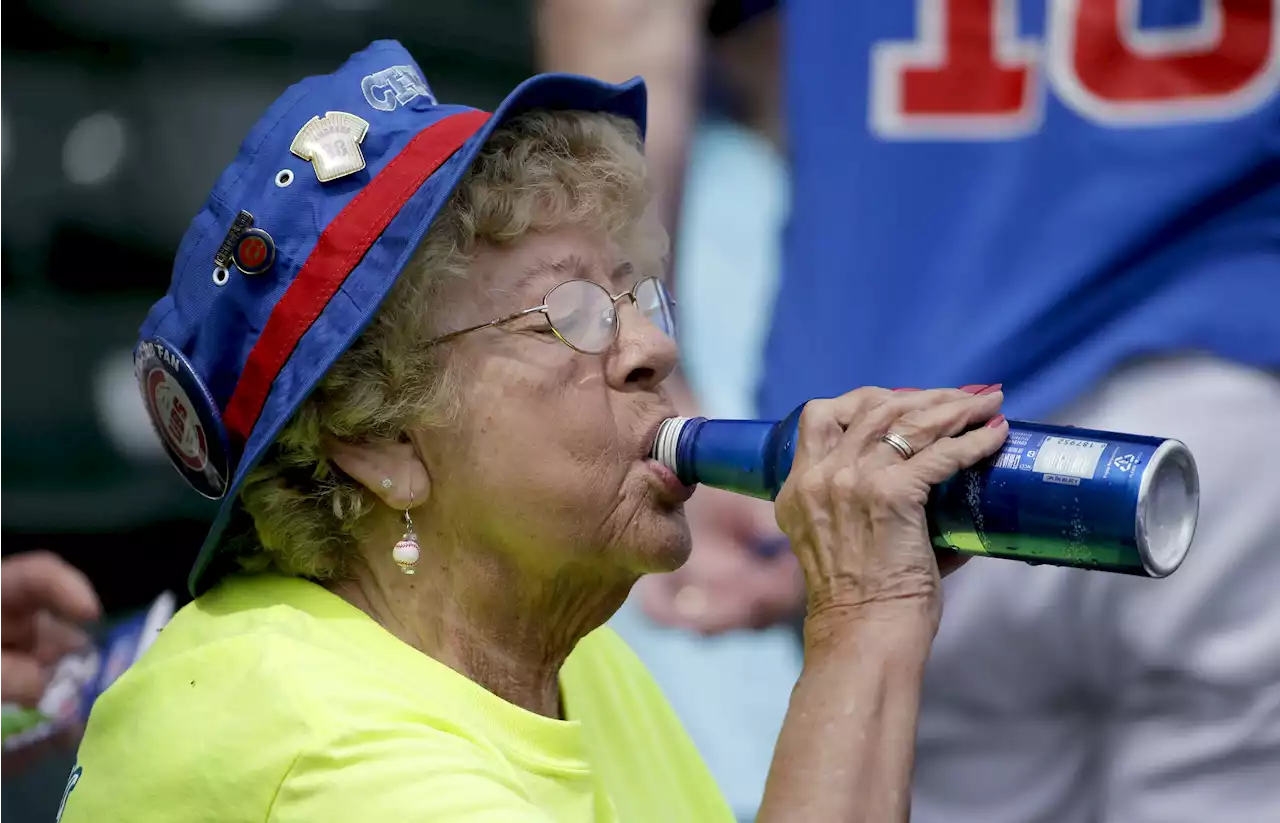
1168,509
667,441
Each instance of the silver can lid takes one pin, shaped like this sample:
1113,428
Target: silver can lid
1168,507
666,442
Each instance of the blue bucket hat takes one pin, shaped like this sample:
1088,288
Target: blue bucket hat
300,241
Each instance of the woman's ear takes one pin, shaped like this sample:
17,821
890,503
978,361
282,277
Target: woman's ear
392,471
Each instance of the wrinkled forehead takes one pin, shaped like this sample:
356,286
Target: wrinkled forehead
518,276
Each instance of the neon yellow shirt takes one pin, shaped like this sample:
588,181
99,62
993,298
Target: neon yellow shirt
271,699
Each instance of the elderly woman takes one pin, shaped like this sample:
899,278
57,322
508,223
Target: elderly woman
425,372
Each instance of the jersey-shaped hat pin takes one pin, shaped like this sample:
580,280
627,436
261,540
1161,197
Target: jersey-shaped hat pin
332,144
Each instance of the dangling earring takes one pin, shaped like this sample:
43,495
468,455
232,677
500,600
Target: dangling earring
407,552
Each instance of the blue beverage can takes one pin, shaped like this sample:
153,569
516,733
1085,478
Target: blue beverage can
1067,496
1057,495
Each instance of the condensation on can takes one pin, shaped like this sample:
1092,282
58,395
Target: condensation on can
1074,497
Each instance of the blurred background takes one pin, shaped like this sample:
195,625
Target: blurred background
117,115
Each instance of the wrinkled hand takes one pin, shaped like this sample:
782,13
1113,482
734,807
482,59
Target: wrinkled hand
854,507
41,598
728,582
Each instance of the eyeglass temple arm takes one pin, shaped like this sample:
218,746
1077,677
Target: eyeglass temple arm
490,324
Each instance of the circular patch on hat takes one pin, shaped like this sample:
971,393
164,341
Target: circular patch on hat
254,251
184,416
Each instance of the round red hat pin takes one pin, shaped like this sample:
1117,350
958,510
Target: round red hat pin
254,251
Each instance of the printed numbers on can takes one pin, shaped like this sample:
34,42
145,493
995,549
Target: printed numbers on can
968,73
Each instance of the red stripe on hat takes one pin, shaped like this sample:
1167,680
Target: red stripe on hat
339,250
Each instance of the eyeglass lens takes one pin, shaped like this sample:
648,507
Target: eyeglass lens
584,314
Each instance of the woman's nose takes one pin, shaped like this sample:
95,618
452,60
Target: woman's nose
644,355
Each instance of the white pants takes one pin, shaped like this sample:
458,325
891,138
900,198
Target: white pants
1082,697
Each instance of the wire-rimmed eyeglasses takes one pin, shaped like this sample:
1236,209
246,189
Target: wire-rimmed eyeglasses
583,314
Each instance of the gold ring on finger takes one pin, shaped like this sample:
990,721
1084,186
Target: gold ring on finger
900,444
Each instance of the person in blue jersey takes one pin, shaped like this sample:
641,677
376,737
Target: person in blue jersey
1080,199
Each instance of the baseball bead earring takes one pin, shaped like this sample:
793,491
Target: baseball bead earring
407,552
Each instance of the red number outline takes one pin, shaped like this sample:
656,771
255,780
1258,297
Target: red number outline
1062,29
892,60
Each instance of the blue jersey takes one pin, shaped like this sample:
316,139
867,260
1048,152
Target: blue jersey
1032,193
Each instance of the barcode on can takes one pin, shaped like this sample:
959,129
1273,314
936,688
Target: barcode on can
1065,456
1008,460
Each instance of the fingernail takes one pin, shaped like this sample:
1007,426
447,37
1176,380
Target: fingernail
973,389
992,389
906,390
994,423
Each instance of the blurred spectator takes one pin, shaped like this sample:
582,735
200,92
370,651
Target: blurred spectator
1097,230
42,599
611,39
